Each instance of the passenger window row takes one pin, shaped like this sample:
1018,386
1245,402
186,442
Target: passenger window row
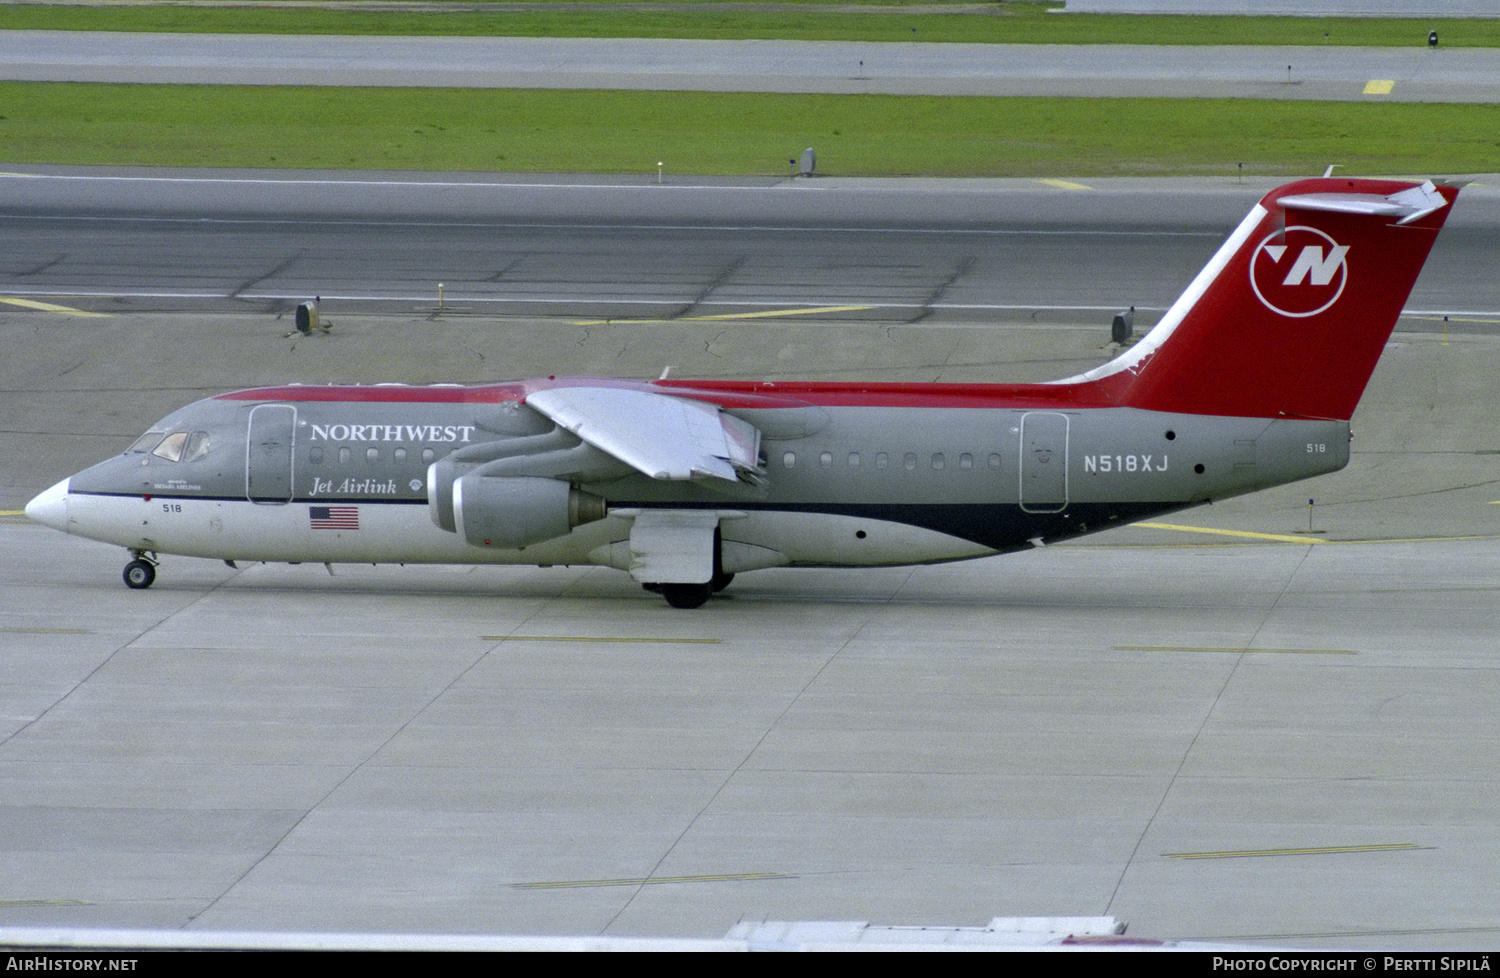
316,455
909,461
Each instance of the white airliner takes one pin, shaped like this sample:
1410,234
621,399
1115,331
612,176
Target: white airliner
1248,381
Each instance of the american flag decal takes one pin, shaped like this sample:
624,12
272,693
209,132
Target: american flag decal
333,517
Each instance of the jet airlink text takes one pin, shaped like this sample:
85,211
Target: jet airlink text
367,487
393,432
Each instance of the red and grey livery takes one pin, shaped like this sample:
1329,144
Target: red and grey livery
1248,381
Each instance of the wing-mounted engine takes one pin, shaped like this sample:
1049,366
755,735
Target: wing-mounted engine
517,511
514,492
520,490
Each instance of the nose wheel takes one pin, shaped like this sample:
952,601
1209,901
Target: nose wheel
140,573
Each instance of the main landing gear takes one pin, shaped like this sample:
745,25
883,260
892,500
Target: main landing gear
140,572
686,595
691,595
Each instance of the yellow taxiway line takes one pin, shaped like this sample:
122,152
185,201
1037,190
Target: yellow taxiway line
731,877
768,314
1316,851
1487,320
598,638
1278,537
1229,651
52,307
46,631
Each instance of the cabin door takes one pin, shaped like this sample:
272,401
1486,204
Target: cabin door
268,459
1044,462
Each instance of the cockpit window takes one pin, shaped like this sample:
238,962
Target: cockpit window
179,446
171,446
147,441
197,446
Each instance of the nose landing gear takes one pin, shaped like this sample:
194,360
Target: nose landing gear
140,572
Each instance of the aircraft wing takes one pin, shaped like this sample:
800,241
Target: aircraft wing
662,436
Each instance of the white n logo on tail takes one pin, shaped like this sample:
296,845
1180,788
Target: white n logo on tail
1312,262
1315,279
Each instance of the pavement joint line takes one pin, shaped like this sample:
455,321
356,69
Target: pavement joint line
1312,851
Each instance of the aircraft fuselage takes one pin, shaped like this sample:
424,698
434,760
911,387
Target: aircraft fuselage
343,475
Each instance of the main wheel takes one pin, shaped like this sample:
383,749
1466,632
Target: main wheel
140,574
686,595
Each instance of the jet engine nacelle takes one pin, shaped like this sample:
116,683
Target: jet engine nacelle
442,480
542,455
517,511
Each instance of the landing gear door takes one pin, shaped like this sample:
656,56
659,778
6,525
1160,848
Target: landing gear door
268,458
1044,462
674,546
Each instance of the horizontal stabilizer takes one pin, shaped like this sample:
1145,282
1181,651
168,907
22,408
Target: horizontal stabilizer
1408,205
661,436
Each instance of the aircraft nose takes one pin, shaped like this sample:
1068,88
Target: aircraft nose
50,508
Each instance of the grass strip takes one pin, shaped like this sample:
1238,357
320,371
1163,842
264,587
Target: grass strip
945,20
730,133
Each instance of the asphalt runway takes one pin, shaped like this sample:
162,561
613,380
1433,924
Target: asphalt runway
1308,71
125,240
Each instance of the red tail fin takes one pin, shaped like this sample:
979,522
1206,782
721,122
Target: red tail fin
1290,316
